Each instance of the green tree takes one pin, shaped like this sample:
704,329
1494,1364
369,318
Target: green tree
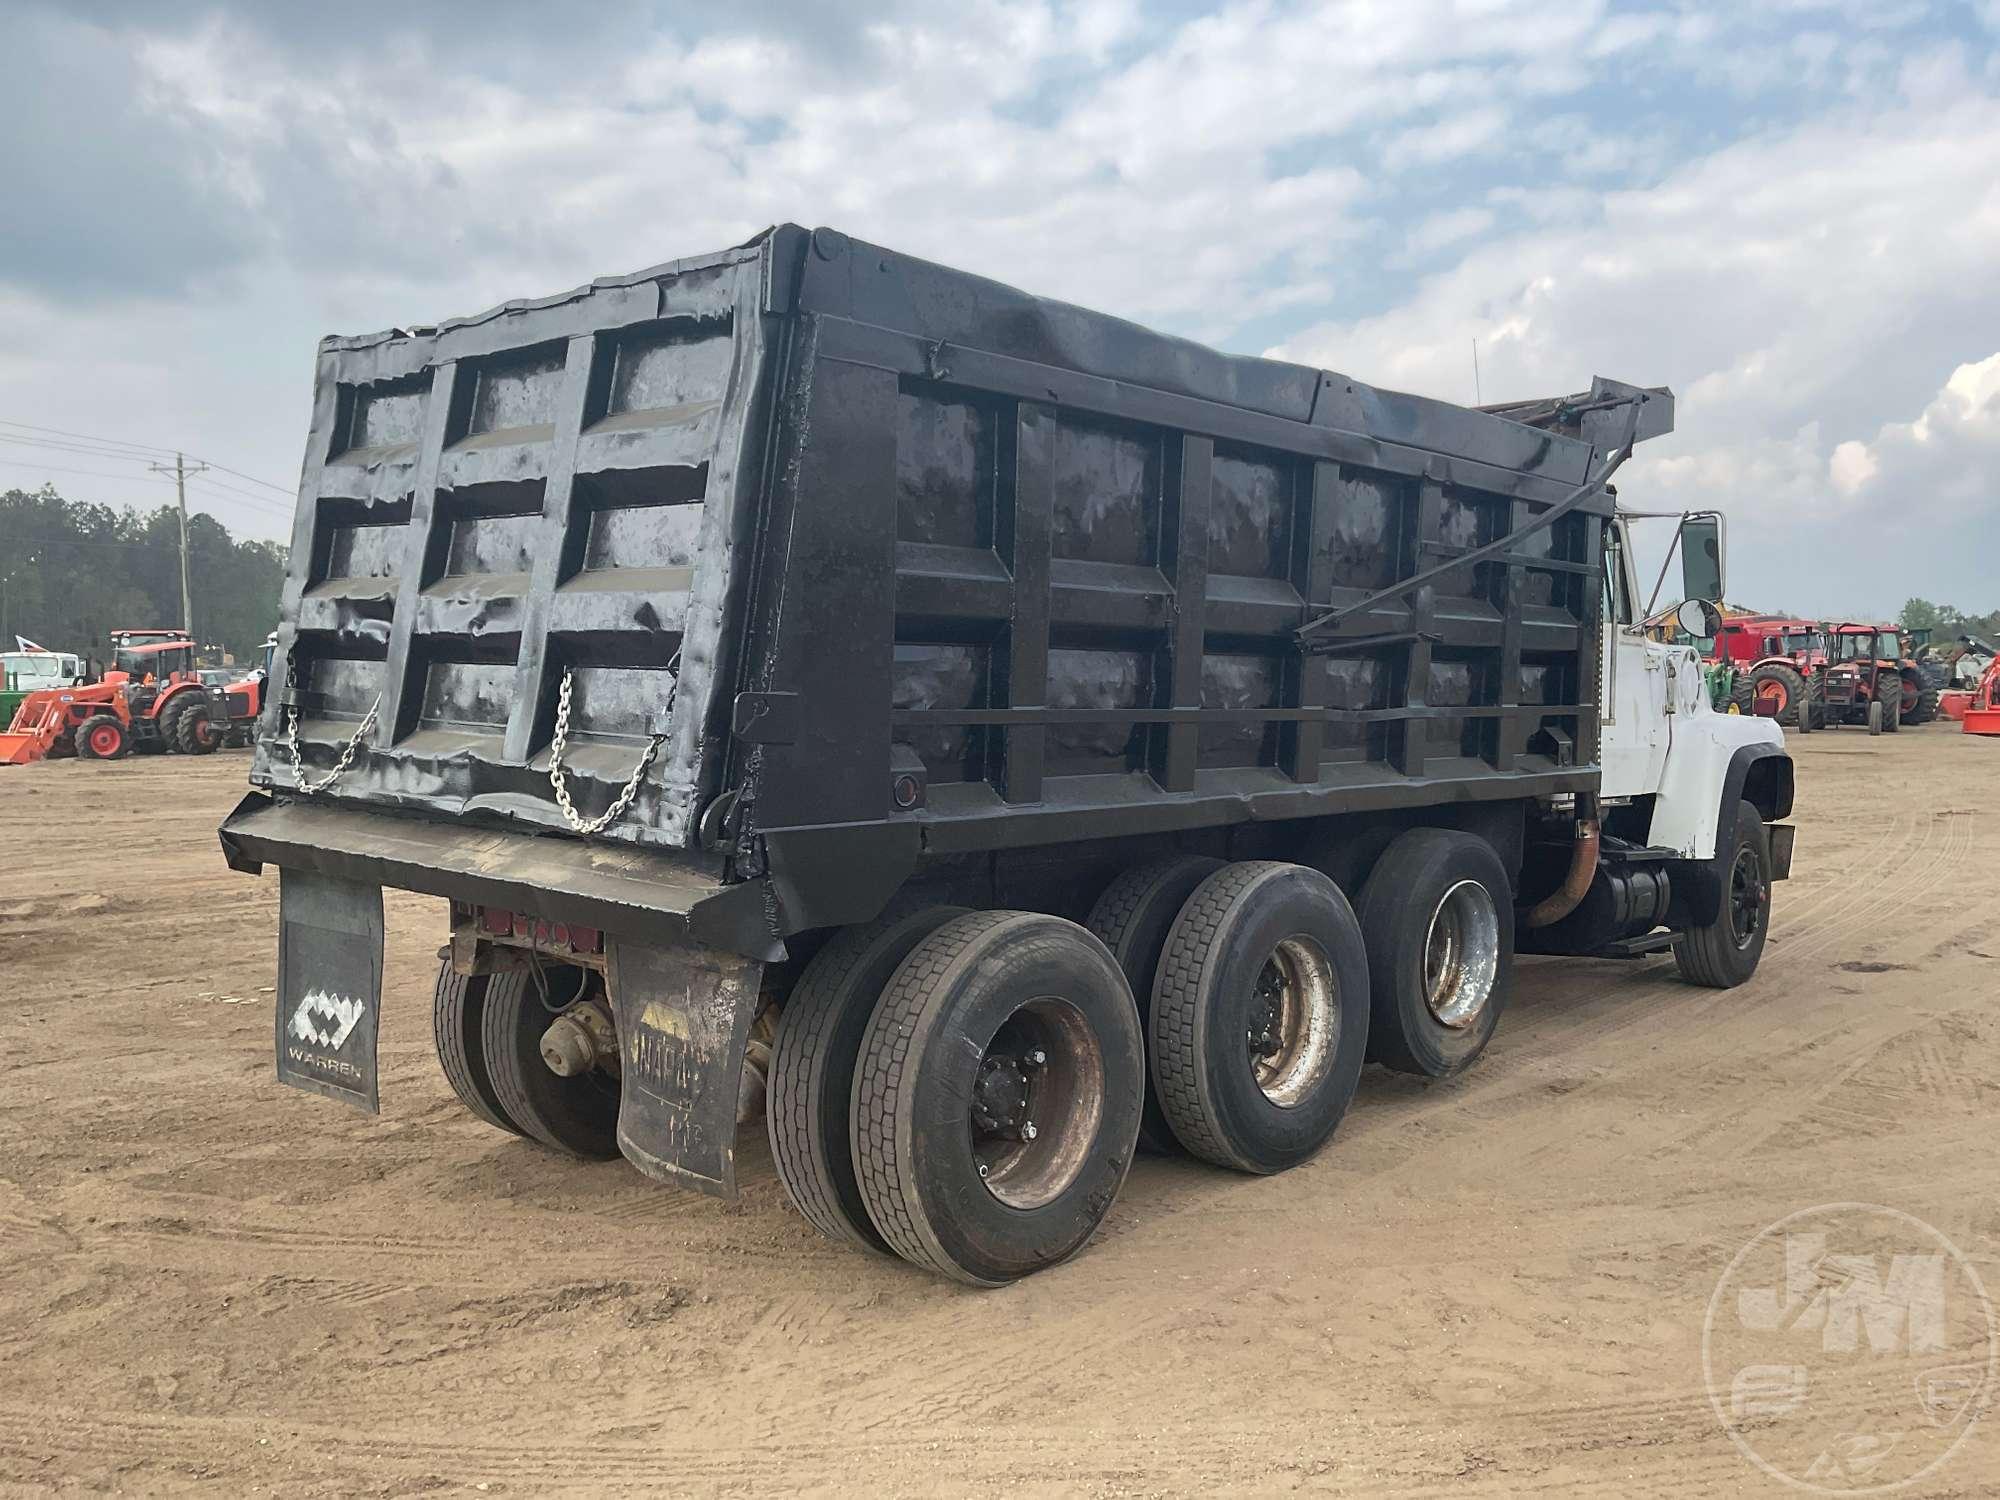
72,571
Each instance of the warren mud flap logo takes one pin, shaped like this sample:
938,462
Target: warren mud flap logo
1850,1349
329,988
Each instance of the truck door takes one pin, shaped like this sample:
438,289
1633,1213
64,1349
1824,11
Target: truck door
1633,735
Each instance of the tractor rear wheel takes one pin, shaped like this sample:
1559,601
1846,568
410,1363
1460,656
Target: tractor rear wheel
1926,707
195,733
100,737
1781,688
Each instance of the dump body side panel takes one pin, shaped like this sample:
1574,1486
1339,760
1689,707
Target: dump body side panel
1033,576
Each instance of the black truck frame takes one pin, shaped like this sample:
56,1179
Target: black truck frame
842,592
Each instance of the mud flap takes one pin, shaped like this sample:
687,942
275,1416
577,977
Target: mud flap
329,986
683,1013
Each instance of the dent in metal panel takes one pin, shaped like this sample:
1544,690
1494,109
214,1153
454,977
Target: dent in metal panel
1238,682
467,695
514,391
492,544
943,677
944,469
1096,679
1466,519
1250,513
1107,492
342,686
1367,526
389,414
653,536
364,551
1354,683
669,367
622,701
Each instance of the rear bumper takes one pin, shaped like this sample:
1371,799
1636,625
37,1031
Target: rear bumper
625,891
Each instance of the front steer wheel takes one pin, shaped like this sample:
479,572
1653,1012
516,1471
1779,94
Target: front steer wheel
1722,954
996,1101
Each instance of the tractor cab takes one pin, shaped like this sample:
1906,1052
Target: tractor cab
1861,684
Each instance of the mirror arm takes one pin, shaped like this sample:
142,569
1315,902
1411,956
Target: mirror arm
1665,563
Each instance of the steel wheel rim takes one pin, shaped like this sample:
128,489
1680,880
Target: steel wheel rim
1461,955
1294,1022
1774,692
103,741
1747,894
1037,1103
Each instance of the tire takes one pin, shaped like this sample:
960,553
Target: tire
810,1099
194,733
1132,919
976,998
1927,706
1892,711
168,721
1437,897
1740,697
458,1010
1777,680
1720,955
100,737
1346,857
1254,941
1875,719
574,1115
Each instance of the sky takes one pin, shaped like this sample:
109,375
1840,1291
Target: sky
1787,211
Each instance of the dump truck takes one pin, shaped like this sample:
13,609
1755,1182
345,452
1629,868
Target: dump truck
999,737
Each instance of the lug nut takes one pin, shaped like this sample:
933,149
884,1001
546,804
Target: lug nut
1037,1057
983,1170
1028,1131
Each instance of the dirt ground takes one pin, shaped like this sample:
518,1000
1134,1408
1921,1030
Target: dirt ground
1485,1287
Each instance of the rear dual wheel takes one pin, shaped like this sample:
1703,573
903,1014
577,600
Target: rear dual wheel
1259,1020
489,1030
996,1096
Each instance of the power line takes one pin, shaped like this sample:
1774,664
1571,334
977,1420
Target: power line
86,436
24,463
144,448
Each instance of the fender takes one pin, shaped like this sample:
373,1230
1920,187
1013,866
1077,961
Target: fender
1708,769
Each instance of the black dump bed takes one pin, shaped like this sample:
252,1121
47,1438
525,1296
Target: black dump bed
894,560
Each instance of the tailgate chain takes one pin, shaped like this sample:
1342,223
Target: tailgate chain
308,788
302,784
560,743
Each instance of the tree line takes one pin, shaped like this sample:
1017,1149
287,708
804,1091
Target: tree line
1947,624
73,571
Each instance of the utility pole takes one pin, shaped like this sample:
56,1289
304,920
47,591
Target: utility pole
180,471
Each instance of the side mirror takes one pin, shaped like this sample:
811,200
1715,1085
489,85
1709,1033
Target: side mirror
1702,572
1699,619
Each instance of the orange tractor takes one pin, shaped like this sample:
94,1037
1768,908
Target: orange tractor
151,700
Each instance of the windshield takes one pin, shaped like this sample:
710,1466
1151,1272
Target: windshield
1858,647
1803,640
35,668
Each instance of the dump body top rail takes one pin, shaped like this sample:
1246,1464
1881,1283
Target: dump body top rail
922,563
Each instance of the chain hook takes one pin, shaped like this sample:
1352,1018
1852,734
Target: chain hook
559,745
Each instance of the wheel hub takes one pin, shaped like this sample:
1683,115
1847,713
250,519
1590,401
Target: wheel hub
1036,1101
1000,1095
1292,1022
1461,955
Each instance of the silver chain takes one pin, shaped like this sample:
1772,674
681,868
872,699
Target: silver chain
560,743
309,788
